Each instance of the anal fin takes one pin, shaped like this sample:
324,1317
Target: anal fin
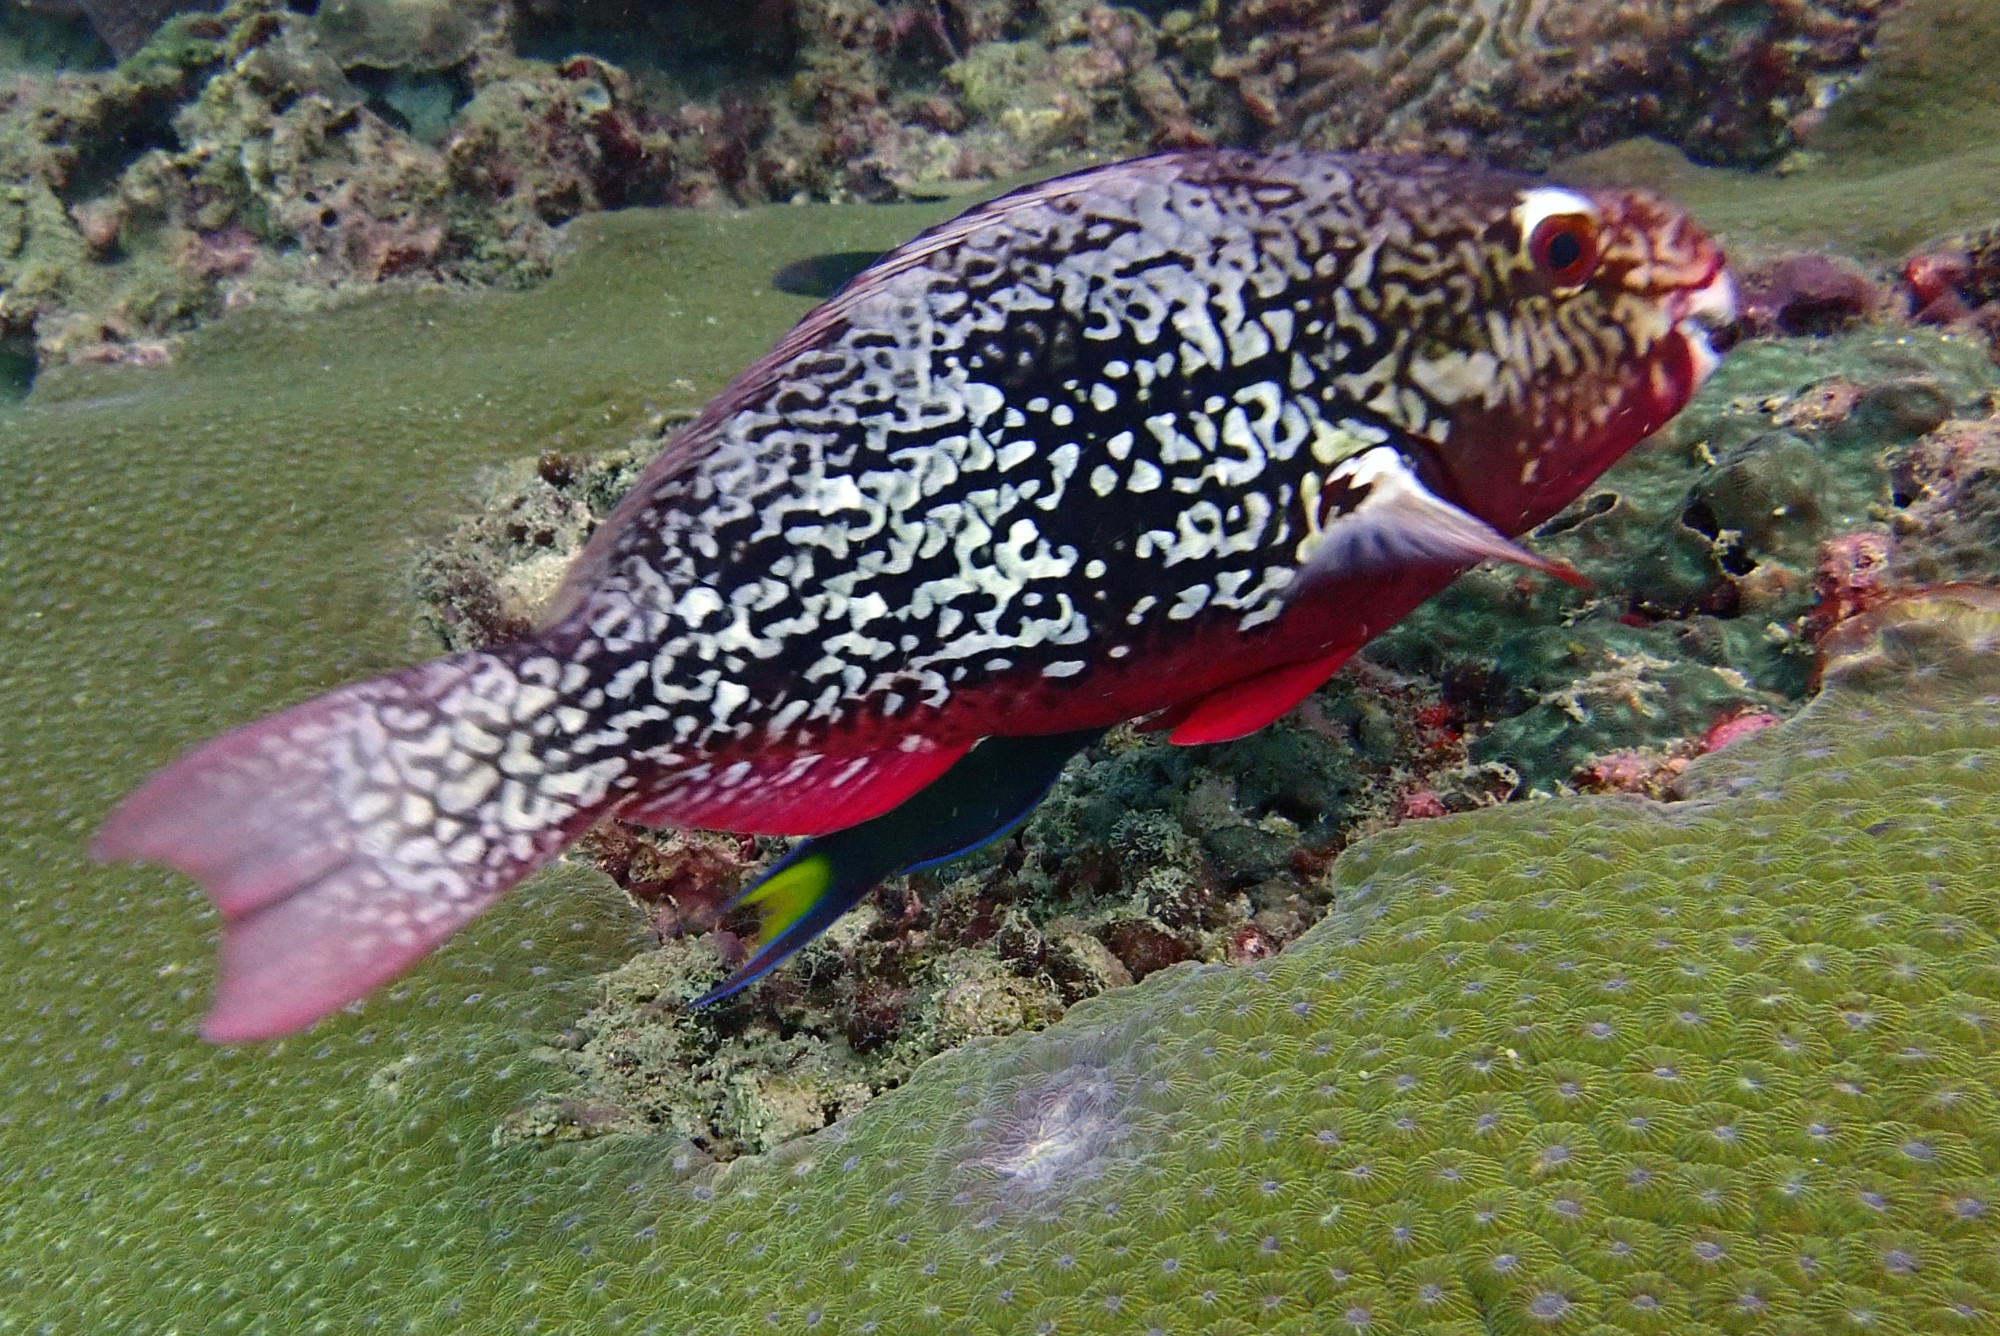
1249,703
987,793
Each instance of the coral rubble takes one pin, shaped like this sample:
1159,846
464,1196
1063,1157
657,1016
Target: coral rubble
234,160
1708,546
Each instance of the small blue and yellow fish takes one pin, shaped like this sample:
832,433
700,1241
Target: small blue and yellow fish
1164,440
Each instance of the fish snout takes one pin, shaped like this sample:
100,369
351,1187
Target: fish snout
1706,317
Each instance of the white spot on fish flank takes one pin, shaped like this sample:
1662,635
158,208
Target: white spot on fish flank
729,696
1014,453
1063,461
1279,322
1302,374
1335,441
982,401
1189,602
1248,342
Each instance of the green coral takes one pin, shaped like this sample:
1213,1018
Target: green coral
1710,533
1721,1062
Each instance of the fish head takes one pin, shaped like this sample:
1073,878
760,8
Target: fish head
1579,321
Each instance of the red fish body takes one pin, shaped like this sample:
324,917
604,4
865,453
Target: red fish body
1170,438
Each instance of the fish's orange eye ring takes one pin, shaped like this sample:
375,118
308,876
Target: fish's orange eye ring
1564,246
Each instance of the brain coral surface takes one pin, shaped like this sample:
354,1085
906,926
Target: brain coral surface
1592,1065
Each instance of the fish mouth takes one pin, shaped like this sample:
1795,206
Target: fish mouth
1705,318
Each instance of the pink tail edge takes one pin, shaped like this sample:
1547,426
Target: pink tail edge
319,907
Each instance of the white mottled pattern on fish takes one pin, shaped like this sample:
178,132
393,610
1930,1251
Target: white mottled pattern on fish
1092,431
1102,411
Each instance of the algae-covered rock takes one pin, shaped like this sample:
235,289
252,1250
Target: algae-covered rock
1948,525
412,34
1703,544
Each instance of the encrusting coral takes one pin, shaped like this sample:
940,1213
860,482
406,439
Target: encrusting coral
350,1180
1607,1064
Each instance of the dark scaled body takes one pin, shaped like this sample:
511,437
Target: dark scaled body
1170,438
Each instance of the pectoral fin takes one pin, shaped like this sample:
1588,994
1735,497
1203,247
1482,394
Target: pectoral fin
1376,516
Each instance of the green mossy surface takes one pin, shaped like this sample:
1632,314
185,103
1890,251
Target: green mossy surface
1909,154
187,548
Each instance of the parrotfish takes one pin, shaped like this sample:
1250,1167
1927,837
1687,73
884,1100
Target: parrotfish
1166,440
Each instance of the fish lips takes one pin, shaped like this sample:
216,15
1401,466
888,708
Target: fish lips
1706,320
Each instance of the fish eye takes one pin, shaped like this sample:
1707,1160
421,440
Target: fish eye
1564,246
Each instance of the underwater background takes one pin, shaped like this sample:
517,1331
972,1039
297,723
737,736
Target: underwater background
1617,961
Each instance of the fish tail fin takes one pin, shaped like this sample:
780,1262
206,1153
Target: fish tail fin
346,837
985,794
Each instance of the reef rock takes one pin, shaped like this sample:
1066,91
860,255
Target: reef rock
1706,545
406,34
126,24
1516,80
